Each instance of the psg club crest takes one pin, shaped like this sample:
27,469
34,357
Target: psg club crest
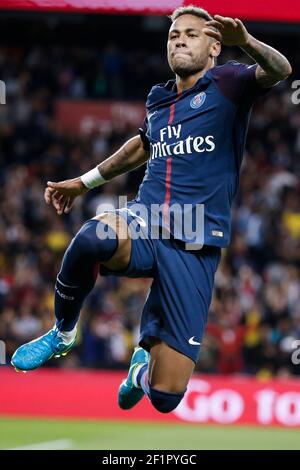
198,100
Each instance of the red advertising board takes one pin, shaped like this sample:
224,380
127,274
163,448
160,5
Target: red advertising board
84,116
268,10
93,395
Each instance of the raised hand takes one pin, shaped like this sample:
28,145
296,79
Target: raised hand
229,31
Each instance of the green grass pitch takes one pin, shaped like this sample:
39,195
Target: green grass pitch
81,434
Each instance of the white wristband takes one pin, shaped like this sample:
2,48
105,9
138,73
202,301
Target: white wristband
93,178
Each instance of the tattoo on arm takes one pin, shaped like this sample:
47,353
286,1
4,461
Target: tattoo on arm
131,155
272,65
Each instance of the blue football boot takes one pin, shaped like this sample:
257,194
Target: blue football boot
32,355
129,392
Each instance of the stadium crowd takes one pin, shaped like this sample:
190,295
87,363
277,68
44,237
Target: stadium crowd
255,312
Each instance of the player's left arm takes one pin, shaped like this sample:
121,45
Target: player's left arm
272,65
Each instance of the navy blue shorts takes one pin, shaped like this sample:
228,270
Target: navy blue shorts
176,307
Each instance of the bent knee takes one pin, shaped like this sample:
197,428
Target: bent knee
118,225
105,217
95,240
163,401
115,222
84,240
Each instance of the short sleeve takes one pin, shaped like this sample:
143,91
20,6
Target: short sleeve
143,134
238,82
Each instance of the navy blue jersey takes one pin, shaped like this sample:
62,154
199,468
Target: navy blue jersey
196,142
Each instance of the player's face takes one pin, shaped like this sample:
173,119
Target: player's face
189,48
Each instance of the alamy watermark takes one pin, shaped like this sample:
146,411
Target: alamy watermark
296,353
2,353
180,221
296,94
2,92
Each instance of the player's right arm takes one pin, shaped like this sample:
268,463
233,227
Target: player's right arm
130,156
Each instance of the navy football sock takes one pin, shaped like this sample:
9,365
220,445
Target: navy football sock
79,270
